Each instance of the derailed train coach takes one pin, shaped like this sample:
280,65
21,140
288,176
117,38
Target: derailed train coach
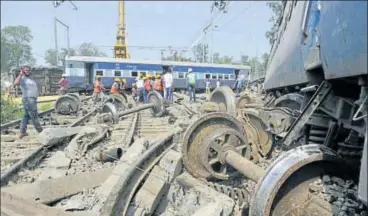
82,70
47,79
318,67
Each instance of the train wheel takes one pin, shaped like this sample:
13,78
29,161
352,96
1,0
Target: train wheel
292,101
224,96
286,187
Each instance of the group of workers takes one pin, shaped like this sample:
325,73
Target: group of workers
140,89
145,84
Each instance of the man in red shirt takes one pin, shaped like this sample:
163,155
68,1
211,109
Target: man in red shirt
63,83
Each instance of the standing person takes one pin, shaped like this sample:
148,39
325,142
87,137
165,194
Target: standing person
122,86
208,86
218,83
168,81
63,84
97,90
239,84
140,87
115,87
152,81
147,87
158,84
29,99
134,92
192,83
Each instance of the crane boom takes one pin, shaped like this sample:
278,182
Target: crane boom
120,48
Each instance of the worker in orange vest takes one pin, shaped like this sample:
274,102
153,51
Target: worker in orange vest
123,83
115,87
159,87
97,89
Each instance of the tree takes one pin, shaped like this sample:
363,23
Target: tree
218,59
265,58
50,57
244,60
277,9
175,56
201,53
88,49
256,67
15,47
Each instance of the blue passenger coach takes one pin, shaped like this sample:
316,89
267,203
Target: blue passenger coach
81,71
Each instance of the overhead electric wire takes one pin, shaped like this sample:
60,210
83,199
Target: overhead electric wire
236,15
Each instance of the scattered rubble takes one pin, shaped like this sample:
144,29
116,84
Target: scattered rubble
341,194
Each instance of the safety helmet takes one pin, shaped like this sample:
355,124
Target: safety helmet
123,80
117,79
158,75
140,75
63,75
190,70
146,77
98,76
149,76
134,84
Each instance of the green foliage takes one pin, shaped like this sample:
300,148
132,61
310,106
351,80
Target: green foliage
45,106
88,49
277,9
9,110
217,59
175,56
15,47
201,53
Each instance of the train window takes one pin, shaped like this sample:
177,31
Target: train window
117,73
220,76
232,76
226,76
214,76
108,73
134,74
126,73
208,76
181,75
70,65
99,73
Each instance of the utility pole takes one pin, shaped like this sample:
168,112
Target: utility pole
68,38
56,44
212,28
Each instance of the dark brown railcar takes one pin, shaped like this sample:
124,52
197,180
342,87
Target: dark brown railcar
47,79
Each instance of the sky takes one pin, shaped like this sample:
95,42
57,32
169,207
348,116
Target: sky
151,26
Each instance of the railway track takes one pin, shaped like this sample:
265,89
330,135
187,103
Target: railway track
58,162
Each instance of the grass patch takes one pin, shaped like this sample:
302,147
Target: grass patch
12,109
9,109
45,106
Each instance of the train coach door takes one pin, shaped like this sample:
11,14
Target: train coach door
89,68
310,35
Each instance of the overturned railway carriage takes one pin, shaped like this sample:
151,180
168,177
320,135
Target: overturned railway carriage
81,71
47,79
318,68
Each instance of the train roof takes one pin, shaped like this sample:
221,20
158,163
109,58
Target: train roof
135,61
